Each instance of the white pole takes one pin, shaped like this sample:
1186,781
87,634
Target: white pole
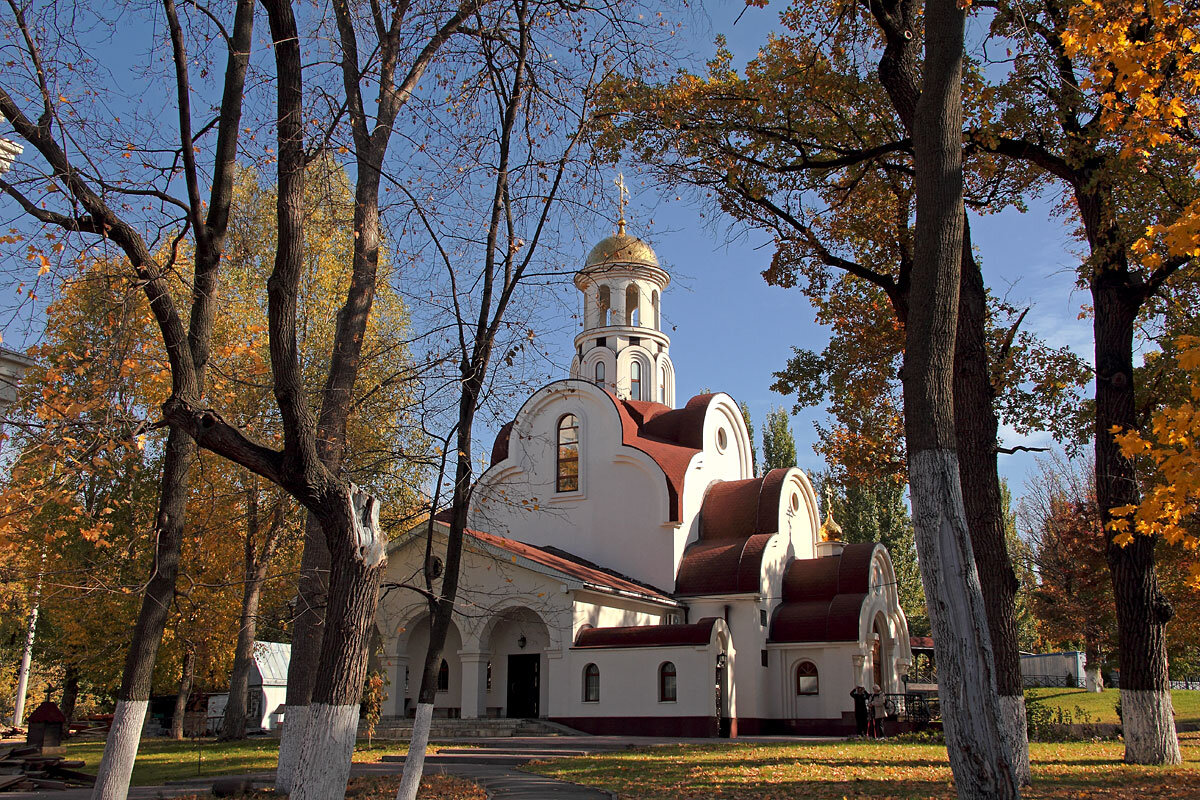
26,658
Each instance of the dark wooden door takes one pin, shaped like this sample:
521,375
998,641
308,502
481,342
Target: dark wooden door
523,684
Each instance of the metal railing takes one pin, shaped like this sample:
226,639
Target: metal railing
918,708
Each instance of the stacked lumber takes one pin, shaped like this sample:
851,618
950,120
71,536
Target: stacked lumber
25,769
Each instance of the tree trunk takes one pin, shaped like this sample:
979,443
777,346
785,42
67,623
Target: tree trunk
443,608
1142,611
977,435
181,697
358,550
116,766
70,695
234,724
307,635
970,707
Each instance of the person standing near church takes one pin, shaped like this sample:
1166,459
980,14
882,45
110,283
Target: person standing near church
860,709
878,711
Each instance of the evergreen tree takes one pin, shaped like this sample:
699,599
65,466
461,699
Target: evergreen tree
779,446
750,429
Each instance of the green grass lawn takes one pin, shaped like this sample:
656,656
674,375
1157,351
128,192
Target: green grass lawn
162,760
1102,706
836,770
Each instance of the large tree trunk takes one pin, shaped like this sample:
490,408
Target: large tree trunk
307,635
358,548
1142,611
70,695
966,683
977,436
976,425
116,766
181,696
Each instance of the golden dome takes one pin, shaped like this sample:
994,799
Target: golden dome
621,248
830,530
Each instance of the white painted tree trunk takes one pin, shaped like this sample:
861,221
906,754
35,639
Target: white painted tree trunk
324,764
295,722
1094,679
971,712
414,763
120,751
1148,724
1015,730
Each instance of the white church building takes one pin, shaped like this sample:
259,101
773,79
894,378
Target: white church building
625,570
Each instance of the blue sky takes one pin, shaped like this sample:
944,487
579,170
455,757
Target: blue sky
731,331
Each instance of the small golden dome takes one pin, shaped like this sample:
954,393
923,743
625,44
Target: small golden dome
830,530
621,248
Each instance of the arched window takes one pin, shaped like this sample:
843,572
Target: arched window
591,684
635,381
605,303
632,305
806,678
662,385
599,373
657,313
666,682
568,453
444,677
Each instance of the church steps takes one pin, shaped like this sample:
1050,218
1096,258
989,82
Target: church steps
455,729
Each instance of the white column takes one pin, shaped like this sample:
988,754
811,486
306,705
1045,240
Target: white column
474,687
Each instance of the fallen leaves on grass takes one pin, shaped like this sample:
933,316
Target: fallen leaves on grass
837,770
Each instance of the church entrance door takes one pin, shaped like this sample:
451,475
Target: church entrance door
523,684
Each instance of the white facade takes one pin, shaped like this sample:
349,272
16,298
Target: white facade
626,571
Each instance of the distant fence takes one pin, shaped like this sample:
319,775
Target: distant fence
1191,684
1065,681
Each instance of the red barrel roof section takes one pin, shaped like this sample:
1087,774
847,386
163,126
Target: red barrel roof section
671,437
695,634
822,597
500,446
737,520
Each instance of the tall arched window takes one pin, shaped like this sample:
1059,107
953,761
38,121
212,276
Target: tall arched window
662,385
605,303
568,453
666,682
655,307
632,305
599,373
444,677
635,381
591,684
806,678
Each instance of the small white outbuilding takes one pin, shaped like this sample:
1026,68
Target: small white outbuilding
266,692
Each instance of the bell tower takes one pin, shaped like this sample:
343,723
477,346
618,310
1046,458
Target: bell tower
622,347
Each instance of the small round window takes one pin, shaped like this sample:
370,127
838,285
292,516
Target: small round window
722,439
795,502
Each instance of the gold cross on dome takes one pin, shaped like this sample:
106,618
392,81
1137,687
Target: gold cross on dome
622,199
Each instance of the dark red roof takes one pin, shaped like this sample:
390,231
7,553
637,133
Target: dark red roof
822,597
920,642
695,634
737,519
672,437
47,712
722,567
500,446
571,565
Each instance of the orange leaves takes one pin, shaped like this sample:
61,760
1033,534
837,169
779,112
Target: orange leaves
1172,447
